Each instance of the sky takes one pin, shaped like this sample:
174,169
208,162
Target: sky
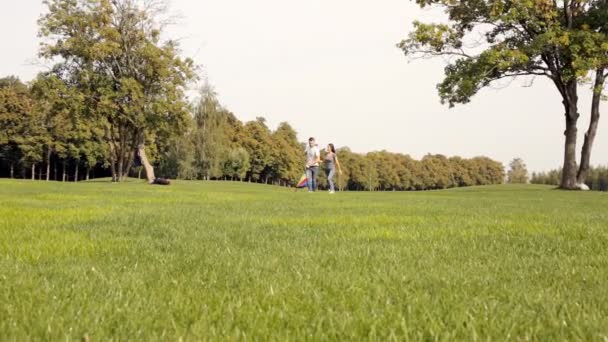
333,71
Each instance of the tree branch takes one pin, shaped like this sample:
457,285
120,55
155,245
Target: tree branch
434,53
518,74
568,13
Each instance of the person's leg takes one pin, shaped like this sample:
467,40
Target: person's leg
315,176
330,178
309,178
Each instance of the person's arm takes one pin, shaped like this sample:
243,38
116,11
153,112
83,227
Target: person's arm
318,156
338,164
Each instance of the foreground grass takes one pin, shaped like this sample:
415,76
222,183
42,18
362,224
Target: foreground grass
238,261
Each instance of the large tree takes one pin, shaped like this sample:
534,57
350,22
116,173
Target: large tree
257,141
489,40
132,80
287,154
210,137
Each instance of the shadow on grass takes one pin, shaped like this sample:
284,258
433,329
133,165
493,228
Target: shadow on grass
109,180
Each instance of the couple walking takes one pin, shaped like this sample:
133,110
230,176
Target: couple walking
313,160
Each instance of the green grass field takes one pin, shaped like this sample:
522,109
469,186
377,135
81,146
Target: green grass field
239,261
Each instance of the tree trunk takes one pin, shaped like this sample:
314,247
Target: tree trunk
147,166
48,165
131,149
88,172
120,165
130,157
569,170
111,137
113,163
12,170
76,172
55,171
33,171
568,181
39,173
139,173
113,170
120,154
591,132
63,177
127,169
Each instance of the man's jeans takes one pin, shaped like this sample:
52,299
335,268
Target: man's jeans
311,174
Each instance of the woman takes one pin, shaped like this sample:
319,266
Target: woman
331,162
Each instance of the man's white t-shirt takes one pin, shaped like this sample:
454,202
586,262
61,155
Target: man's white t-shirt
312,156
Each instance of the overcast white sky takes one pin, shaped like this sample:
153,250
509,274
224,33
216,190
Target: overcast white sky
331,69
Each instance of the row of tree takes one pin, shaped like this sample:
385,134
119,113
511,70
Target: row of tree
597,178
44,133
393,171
252,152
216,145
219,146
41,127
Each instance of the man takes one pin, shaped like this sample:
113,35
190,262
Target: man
313,158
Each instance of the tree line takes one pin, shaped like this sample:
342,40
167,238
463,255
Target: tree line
597,178
213,144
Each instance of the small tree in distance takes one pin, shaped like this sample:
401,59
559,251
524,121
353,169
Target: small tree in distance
518,173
